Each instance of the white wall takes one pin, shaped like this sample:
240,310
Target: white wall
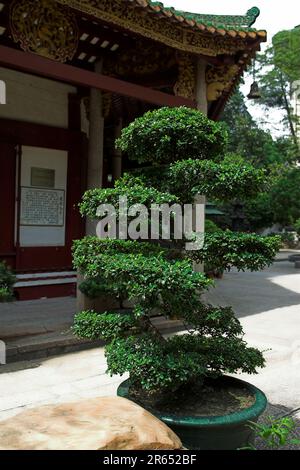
34,99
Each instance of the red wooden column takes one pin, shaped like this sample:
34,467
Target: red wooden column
7,202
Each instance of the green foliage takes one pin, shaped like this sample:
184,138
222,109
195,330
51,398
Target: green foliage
247,139
223,181
281,204
243,250
286,197
166,135
155,280
297,226
5,295
211,227
230,179
166,365
258,147
149,279
275,80
108,326
260,211
91,256
275,432
94,288
7,281
286,52
131,187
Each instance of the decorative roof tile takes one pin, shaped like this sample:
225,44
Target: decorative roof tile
221,24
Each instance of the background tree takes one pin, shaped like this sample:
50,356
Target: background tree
279,68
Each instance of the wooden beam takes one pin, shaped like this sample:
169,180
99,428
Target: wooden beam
35,64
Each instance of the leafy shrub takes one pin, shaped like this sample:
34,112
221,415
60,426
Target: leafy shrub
211,227
152,279
108,326
7,281
222,181
225,181
226,249
275,433
133,188
166,135
5,295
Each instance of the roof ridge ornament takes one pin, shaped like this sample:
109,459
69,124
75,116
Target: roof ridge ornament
252,15
241,21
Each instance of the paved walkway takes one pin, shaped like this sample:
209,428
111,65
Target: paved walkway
33,317
268,305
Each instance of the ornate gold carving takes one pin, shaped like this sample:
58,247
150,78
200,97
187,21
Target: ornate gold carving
186,81
219,79
45,28
157,28
144,59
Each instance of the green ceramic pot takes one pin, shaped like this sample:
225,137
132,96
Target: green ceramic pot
226,432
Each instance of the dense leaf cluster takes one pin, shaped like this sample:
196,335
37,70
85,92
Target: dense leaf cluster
167,135
225,249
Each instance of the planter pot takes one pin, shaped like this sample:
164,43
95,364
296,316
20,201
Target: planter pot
227,432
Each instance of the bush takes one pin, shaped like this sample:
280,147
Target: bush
221,181
225,249
7,281
152,279
170,134
211,227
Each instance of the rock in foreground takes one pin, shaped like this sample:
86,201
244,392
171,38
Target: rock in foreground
108,423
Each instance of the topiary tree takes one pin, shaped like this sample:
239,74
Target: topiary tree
155,278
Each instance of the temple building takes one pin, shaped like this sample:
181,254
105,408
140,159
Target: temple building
74,72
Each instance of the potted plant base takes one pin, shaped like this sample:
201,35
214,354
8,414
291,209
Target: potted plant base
220,422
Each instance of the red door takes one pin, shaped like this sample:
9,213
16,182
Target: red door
7,203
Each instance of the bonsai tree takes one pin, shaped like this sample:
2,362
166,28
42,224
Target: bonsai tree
187,153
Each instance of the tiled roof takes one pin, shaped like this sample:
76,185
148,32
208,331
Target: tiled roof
238,25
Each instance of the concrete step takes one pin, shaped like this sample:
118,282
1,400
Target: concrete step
22,329
44,345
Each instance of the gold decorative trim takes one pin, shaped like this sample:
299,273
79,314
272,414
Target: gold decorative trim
186,81
135,61
45,28
122,14
220,79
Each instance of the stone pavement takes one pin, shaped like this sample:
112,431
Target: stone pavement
57,380
268,305
39,328
33,317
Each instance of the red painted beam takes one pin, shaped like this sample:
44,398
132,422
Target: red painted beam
37,65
